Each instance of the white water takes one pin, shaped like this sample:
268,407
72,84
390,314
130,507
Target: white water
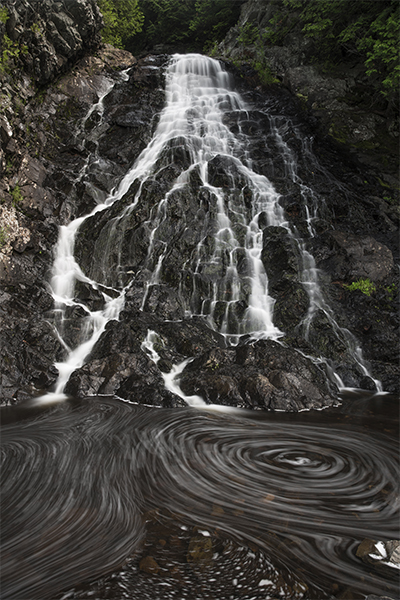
198,96
310,273
170,379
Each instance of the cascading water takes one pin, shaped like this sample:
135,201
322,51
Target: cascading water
66,272
222,276
198,98
249,505
310,276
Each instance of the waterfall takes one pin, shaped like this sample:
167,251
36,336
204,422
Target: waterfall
310,274
220,272
199,95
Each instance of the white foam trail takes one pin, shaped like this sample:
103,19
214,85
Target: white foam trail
170,379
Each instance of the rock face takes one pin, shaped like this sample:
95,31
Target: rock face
339,99
263,375
55,138
54,34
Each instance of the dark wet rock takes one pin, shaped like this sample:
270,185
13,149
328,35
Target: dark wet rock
221,171
27,355
282,262
200,551
55,36
262,375
349,257
189,338
119,366
165,302
375,597
380,556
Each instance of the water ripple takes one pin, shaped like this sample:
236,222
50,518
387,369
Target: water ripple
77,481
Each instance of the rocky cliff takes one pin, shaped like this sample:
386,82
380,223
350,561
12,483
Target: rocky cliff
40,41
337,96
48,137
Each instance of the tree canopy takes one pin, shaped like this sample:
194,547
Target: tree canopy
142,24
123,19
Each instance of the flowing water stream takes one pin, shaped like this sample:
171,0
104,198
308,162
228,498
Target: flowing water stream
228,282
190,503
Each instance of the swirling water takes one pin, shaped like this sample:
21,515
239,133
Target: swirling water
260,505
241,506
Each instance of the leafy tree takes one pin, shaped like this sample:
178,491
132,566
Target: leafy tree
213,19
188,23
165,21
122,20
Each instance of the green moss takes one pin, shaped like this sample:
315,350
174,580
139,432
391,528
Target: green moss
366,286
10,53
3,15
36,28
3,236
391,291
303,100
16,195
366,145
339,134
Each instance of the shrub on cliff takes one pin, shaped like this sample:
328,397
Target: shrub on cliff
367,29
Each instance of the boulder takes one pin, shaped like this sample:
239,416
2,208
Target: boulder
265,375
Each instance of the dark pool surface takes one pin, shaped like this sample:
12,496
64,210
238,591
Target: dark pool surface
105,499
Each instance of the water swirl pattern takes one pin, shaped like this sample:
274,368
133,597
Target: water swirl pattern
103,498
287,502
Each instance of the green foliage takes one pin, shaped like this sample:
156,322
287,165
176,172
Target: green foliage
369,29
248,34
213,19
366,286
16,195
122,21
194,24
10,52
3,236
278,27
36,28
391,291
167,21
3,15
265,73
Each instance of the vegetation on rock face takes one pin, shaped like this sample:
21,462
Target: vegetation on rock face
10,50
16,195
366,286
3,236
342,29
